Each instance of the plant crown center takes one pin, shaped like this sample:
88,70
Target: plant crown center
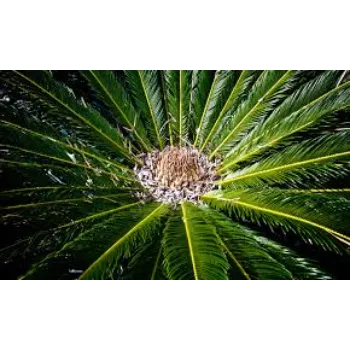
176,174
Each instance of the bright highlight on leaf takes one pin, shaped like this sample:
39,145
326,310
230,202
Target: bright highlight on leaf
173,174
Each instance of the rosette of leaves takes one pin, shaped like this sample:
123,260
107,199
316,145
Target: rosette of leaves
69,201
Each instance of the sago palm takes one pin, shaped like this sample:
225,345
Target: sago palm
173,174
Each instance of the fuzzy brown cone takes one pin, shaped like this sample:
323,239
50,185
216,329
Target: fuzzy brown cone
176,174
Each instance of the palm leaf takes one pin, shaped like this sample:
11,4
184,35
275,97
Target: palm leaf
219,93
12,152
62,103
312,159
164,79
113,238
139,231
93,216
49,174
33,136
240,87
145,87
307,216
117,99
301,110
201,84
185,85
60,161
56,229
20,119
178,95
266,92
253,256
53,156
171,89
146,262
191,247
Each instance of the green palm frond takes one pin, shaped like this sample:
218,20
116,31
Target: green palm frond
252,256
138,232
171,95
16,122
178,95
240,87
270,88
164,81
146,262
61,102
70,231
201,84
217,103
46,148
60,224
112,238
35,135
301,110
14,152
117,99
310,216
48,174
191,247
319,159
52,216
145,87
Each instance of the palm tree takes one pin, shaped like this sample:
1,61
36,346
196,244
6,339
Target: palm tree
173,174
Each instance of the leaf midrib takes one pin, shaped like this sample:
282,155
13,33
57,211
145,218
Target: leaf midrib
59,201
232,256
285,167
189,241
156,264
100,214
